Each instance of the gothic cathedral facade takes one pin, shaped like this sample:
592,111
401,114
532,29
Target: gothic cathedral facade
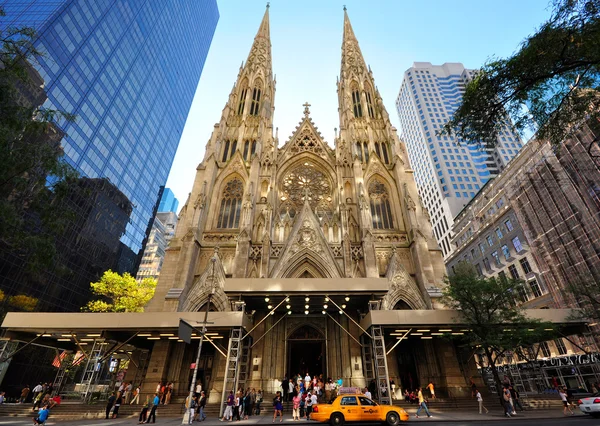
264,219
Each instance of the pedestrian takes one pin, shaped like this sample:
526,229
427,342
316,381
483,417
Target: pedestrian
514,395
38,391
422,404
563,397
136,396
42,416
308,405
296,407
127,395
155,403
191,406
170,393
109,404
508,408
259,398
290,390
237,405
367,393
118,403
277,407
480,401
24,394
144,412
228,414
431,389
314,400
201,405
2,397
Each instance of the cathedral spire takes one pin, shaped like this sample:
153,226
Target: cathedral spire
260,53
352,58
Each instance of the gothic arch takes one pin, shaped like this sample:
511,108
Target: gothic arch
306,260
228,208
305,331
381,202
403,287
300,159
197,295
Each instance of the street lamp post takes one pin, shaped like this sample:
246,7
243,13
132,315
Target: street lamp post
186,416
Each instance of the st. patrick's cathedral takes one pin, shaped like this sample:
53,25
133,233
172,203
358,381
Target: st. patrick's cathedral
309,241
298,257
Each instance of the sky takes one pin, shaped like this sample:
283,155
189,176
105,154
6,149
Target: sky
306,38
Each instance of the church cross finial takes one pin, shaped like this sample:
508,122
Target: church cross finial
268,5
345,8
306,110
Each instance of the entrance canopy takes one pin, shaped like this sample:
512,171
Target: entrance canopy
425,324
69,331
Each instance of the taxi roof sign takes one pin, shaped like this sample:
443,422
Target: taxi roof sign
347,390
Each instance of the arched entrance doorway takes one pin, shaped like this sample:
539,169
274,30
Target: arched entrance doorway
306,352
406,357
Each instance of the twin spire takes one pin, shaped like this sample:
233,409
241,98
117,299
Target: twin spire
352,58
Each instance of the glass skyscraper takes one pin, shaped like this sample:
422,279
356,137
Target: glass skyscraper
448,171
168,202
129,70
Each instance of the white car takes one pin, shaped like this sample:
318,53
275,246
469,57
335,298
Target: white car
590,405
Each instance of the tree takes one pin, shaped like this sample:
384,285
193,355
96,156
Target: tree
33,177
121,293
551,83
586,291
495,323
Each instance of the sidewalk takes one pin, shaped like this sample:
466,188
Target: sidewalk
450,416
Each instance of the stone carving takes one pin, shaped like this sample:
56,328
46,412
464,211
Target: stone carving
307,239
402,286
337,251
214,237
276,250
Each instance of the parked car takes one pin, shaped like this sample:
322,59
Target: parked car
590,405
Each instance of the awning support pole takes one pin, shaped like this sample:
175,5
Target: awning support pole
105,357
9,356
398,342
267,332
266,316
351,319
342,327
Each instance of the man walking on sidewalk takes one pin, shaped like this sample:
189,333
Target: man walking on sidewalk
422,404
480,401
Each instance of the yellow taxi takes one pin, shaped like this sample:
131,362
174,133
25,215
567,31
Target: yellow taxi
357,408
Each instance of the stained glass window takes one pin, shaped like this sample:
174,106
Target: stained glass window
380,205
306,180
231,204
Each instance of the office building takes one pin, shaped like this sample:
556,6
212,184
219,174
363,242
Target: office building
448,171
128,70
539,221
168,202
163,231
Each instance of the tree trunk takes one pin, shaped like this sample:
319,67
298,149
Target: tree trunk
492,365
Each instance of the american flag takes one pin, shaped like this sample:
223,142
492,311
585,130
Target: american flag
78,358
58,359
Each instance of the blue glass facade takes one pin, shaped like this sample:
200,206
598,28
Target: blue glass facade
129,70
168,202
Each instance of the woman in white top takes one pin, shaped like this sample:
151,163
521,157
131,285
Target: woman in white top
480,401
563,397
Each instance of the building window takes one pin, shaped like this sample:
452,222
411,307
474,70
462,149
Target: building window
253,150
486,263
362,150
370,104
560,346
496,258
498,233
525,265
482,248
356,106
502,276
509,225
535,288
545,349
242,101
382,151
366,151
505,251
225,151
517,244
490,241
246,150
380,205
478,269
255,104
231,203
513,272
